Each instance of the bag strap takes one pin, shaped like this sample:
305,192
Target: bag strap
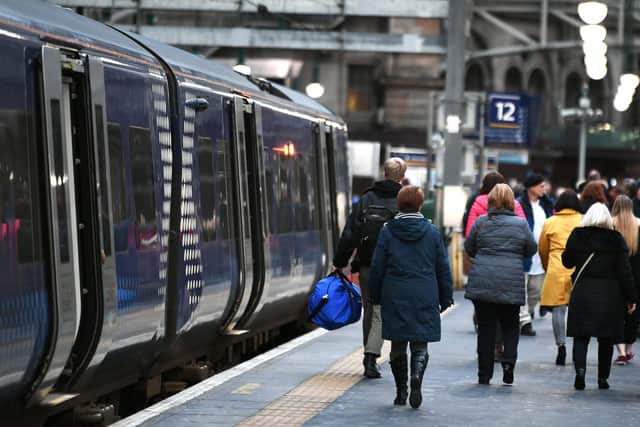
581,270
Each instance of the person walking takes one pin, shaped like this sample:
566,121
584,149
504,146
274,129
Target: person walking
479,207
593,192
480,204
627,224
557,281
537,208
410,279
498,243
360,234
602,285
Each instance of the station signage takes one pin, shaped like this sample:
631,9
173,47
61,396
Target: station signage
511,118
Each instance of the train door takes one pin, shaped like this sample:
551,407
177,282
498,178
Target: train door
245,281
77,245
326,172
257,195
332,177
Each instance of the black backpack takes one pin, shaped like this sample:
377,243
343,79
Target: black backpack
374,215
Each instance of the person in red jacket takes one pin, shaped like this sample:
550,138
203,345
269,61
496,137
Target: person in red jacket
480,205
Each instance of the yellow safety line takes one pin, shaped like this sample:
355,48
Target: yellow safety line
315,394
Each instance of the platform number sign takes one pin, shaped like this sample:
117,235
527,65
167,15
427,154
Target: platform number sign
504,111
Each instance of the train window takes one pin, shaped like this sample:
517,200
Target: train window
313,194
116,173
302,200
207,188
142,175
60,175
222,186
104,205
285,224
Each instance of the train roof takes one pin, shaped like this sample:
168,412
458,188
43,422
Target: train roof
53,21
184,61
58,23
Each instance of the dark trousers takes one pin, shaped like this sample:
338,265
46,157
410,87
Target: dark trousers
489,315
605,353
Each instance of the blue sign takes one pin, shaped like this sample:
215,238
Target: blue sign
511,118
504,111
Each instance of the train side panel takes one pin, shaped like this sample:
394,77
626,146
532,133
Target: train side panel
24,286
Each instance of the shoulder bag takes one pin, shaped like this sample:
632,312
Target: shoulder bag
575,281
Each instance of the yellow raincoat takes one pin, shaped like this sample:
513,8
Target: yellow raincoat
555,232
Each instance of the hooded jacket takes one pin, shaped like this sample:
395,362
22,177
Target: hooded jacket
598,298
411,279
498,244
386,192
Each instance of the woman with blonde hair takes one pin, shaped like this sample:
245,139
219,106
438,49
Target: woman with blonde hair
557,281
602,284
498,243
628,225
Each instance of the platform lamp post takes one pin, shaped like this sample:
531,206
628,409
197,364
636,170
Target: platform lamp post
585,114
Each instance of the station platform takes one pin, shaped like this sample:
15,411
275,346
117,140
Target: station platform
316,380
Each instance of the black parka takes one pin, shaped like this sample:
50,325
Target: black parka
606,285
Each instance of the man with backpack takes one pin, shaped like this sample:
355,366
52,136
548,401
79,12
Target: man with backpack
376,206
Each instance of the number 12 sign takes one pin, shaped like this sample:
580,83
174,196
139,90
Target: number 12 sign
504,111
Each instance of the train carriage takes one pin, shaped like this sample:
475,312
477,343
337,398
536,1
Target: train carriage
155,207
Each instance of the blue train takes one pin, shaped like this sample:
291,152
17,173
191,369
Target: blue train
156,208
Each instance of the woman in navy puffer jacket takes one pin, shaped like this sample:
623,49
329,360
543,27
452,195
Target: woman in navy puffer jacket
498,244
410,278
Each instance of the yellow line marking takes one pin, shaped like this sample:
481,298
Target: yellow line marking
312,396
246,389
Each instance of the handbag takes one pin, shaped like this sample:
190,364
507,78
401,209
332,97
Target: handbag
334,302
467,260
575,281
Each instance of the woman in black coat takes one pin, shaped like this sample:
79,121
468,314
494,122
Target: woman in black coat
602,285
411,280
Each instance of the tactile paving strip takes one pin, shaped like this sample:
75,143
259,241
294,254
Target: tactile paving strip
312,396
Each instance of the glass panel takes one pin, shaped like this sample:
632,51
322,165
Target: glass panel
104,196
207,188
59,181
116,165
142,176
222,188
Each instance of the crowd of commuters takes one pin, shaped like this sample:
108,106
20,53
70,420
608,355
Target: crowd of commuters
572,256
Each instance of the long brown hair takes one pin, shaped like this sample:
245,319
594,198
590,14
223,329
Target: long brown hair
625,222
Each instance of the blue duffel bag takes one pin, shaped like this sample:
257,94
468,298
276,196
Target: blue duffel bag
334,302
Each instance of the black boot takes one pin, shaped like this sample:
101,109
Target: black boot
603,384
507,373
371,369
419,360
579,384
562,355
399,368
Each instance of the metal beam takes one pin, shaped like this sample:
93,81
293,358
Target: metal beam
505,27
544,16
388,8
566,18
293,39
561,45
514,50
